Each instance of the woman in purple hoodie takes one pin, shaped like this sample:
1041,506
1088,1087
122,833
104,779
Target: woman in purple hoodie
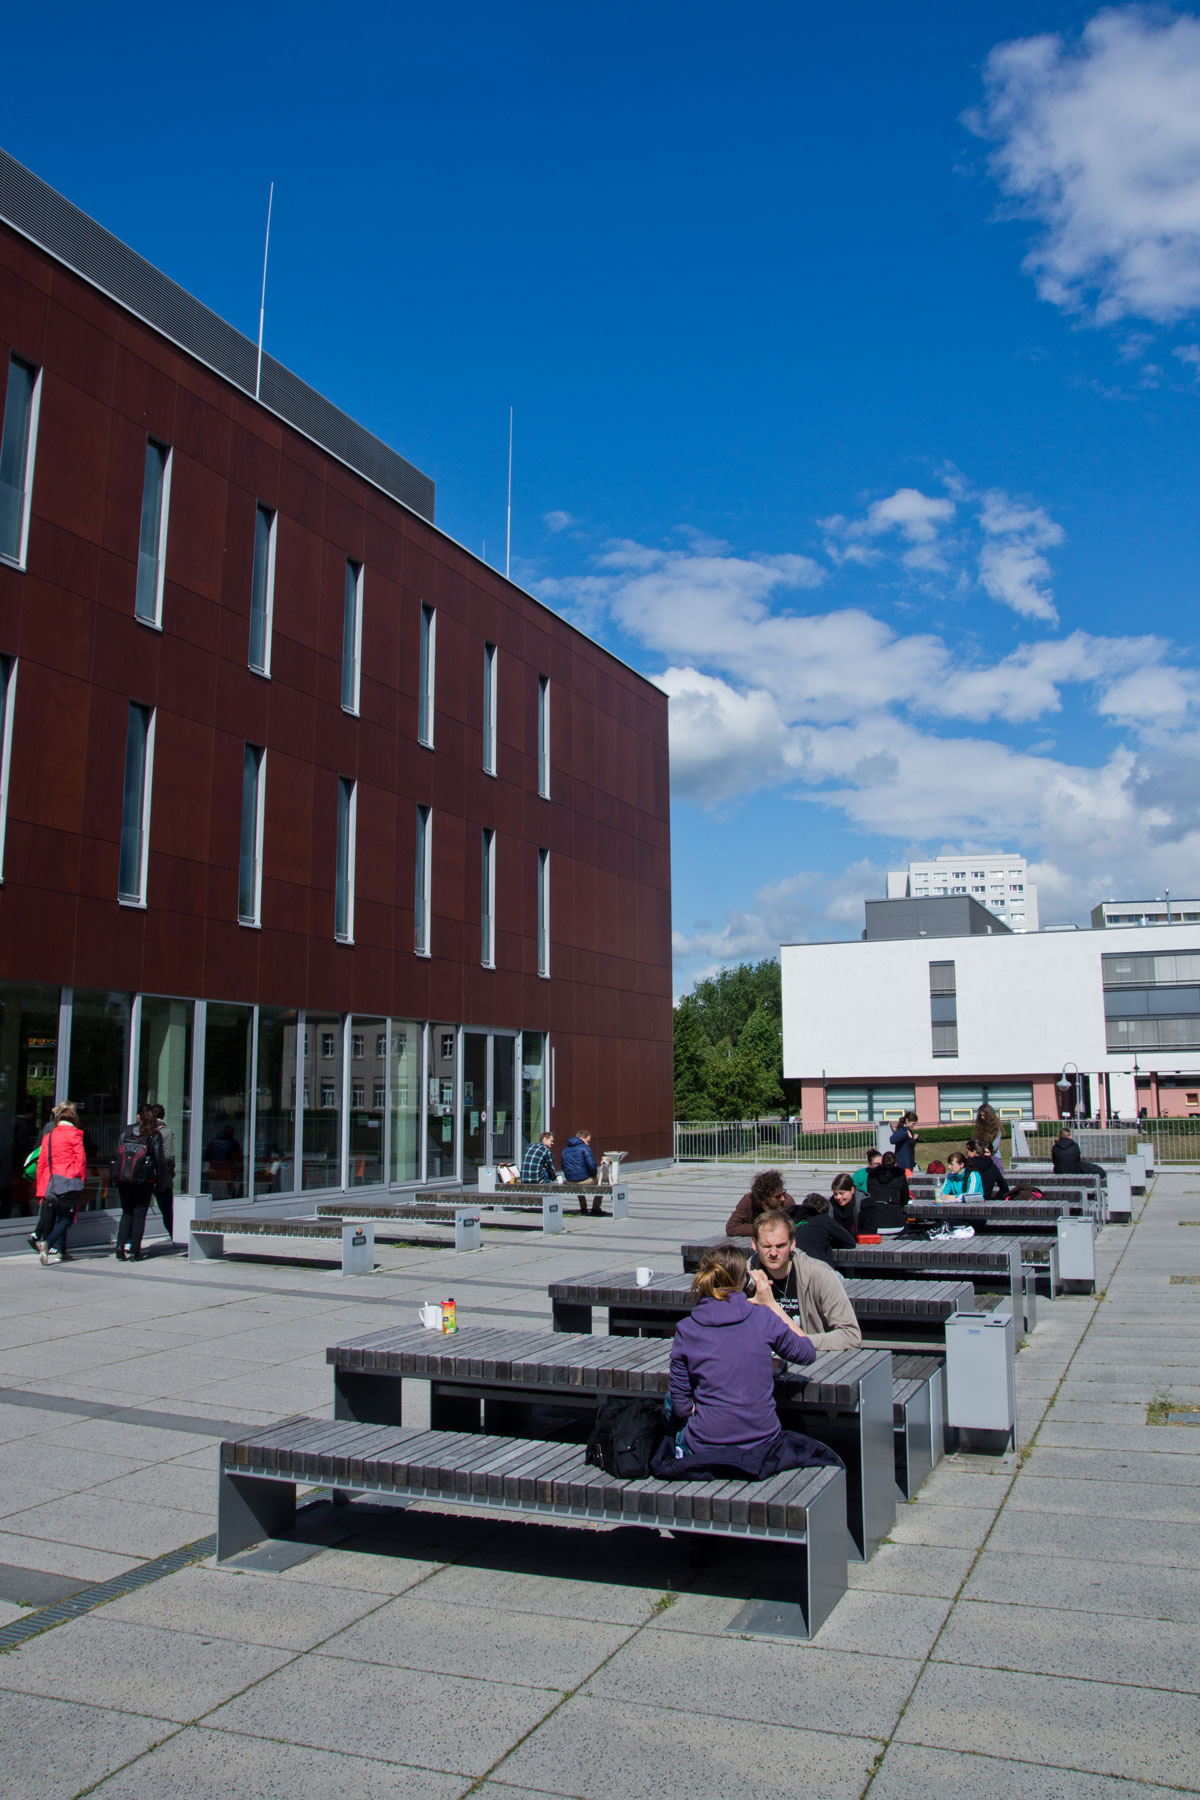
722,1378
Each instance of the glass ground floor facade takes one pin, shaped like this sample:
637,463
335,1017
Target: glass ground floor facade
264,1101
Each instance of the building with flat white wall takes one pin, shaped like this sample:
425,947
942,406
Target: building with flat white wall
937,1025
1145,912
995,880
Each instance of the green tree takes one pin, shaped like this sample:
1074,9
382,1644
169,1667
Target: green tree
761,1042
693,1059
729,1044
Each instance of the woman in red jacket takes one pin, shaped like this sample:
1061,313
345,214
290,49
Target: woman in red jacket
63,1158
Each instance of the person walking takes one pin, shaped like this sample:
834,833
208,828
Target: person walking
61,1172
164,1192
135,1171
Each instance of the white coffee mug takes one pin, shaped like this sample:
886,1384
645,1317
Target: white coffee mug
431,1315
644,1276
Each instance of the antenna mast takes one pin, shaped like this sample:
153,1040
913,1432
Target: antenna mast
263,303
508,531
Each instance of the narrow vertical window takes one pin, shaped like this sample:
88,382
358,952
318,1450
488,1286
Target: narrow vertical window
543,915
428,660
135,804
254,768
343,907
352,637
8,689
488,900
489,709
544,736
18,441
262,590
421,897
152,545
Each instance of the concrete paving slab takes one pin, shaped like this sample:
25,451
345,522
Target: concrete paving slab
396,1715
53,1750
526,1649
164,1484
1108,1500
502,1588
360,1567
134,1668
63,1559
139,1443
830,1690
140,1531
1101,1465
1117,1436
202,1764
957,1527
622,1750
1137,1590
1055,1720
1170,1545
909,1771
912,1569
254,1609
952,1485
1136,1652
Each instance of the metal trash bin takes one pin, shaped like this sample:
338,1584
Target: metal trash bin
1077,1255
981,1380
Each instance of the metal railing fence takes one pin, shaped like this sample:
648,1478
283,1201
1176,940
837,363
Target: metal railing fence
769,1141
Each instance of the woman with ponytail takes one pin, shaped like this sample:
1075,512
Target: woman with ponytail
722,1392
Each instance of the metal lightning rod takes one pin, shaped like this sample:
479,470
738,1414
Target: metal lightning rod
508,531
263,303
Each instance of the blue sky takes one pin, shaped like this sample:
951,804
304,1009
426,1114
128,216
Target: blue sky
855,366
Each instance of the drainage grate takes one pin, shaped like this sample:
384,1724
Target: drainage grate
1185,1281
46,1617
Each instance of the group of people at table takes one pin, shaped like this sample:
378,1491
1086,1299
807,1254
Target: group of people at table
783,1297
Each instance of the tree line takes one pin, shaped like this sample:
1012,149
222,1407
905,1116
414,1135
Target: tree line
729,1045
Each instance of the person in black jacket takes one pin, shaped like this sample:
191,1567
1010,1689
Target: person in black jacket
845,1201
980,1162
818,1232
136,1195
1068,1159
886,1205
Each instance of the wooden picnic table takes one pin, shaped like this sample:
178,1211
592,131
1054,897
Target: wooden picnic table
508,1381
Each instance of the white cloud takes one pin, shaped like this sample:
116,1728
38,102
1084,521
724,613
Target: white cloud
1098,140
917,518
558,521
1012,568
1189,354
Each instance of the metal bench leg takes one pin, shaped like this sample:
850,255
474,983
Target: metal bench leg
620,1203
205,1244
914,1444
250,1509
566,1316
367,1399
1029,1311
358,1249
877,1449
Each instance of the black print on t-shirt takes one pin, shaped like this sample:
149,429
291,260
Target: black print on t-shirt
785,1293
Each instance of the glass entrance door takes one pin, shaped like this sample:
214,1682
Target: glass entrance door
488,1095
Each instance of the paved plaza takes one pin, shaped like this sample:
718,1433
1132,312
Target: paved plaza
1031,1630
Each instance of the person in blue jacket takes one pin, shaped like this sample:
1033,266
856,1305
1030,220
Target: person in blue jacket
904,1141
579,1166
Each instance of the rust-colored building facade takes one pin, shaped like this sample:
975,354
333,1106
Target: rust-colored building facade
315,828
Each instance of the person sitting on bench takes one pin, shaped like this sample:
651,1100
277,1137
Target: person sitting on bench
886,1205
817,1231
961,1183
808,1293
980,1162
766,1190
537,1164
862,1176
722,1392
579,1167
845,1200
1068,1159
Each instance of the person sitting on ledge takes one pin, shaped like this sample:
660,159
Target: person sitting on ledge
537,1164
766,1189
961,1183
1068,1159
886,1205
980,1162
817,1231
809,1293
862,1176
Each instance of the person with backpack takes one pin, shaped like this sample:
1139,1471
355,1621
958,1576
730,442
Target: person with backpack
135,1167
61,1173
722,1382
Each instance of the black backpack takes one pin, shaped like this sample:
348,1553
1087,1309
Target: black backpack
133,1161
625,1436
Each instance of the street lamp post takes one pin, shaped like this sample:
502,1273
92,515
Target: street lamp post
1070,1084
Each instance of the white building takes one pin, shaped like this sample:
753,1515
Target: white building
999,882
936,1025
1145,912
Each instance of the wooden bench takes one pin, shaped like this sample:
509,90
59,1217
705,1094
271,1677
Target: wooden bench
260,1472
1083,1195
524,1382
618,1194
466,1218
355,1244
990,1215
1111,1194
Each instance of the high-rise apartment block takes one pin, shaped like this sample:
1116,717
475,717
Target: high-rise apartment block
999,882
